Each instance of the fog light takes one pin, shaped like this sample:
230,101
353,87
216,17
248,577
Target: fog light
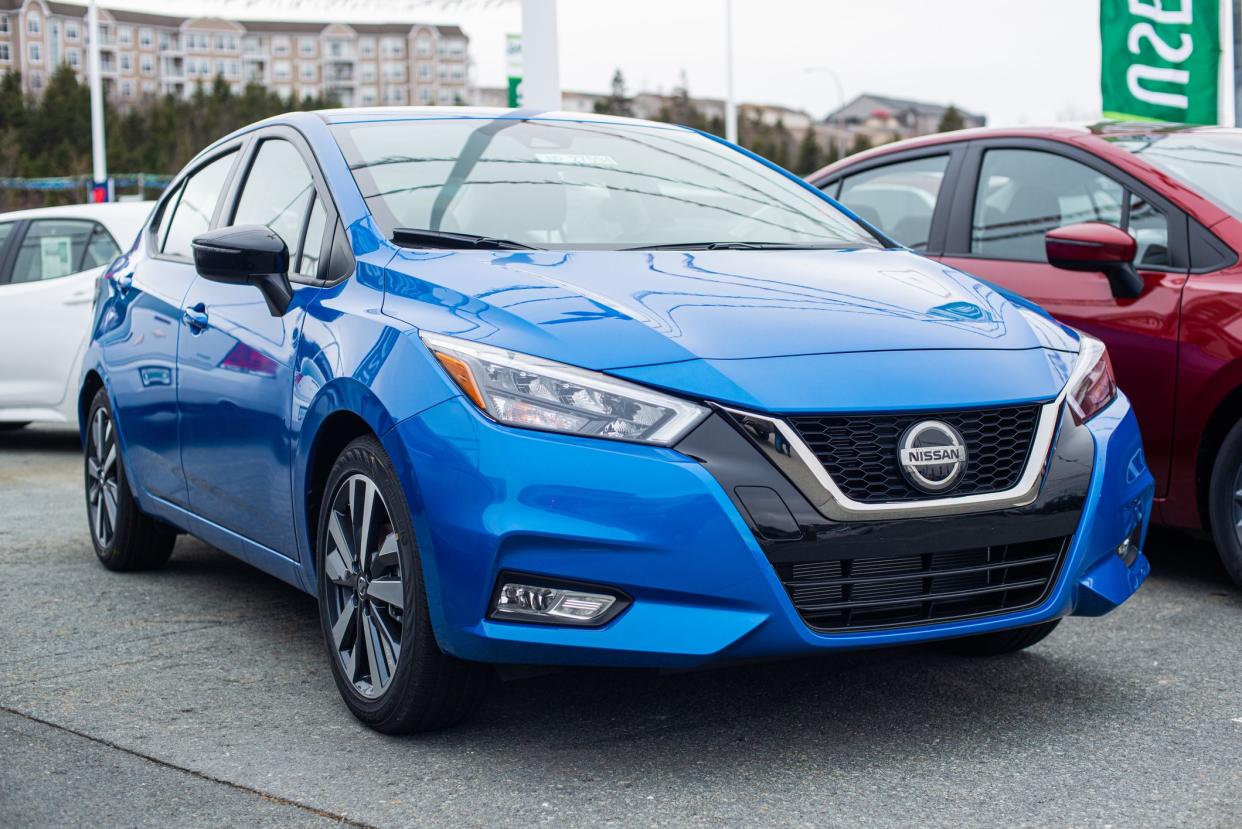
537,603
1128,548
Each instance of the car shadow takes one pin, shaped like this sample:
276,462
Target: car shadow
1186,559
41,439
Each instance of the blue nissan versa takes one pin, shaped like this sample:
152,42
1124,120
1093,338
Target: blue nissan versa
515,387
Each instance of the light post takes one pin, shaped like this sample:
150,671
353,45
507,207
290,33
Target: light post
835,79
730,104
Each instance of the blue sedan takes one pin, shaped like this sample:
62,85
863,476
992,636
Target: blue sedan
503,387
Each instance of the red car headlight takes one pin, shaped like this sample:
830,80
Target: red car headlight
1098,387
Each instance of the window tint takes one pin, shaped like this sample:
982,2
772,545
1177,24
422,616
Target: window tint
5,229
313,244
898,198
53,248
1150,228
277,193
192,215
1025,193
170,207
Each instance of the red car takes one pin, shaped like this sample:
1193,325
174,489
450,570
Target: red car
1131,232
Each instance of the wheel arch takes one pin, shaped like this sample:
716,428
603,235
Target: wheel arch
92,382
1227,412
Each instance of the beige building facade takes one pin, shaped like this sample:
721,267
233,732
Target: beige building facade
146,55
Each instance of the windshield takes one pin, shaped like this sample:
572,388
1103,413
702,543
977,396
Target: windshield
563,184
1208,162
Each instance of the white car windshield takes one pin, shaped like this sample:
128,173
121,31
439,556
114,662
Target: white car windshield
566,184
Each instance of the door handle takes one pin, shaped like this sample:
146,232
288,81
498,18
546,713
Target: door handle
195,318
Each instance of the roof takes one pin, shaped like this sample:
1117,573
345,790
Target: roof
924,108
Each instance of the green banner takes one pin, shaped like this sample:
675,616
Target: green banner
1161,60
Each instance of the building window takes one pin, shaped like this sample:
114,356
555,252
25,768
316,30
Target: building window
446,97
127,89
145,38
34,23
394,95
226,43
424,47
424,95
127,62
309,91
36,54
366,47
306,45
306,71
393,47
280,70
74,58
36,80
4,53
455,48
424,71
368,72
284,92
4,24
368,96
250,44
148,65
280,45
394,72
71,30
125,35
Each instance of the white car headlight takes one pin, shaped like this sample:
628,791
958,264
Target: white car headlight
521,390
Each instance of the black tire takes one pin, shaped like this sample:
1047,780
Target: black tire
13,427
428,689
1000,642
1225,504
124,538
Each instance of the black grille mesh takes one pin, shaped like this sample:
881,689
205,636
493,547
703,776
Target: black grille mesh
900,591
860,451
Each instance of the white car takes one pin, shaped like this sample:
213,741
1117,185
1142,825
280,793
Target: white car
49,260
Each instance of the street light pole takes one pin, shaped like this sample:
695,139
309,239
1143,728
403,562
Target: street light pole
99,173
730,104
541,74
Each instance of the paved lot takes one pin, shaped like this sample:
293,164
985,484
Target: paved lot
199,695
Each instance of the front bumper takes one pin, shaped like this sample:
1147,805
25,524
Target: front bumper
658,525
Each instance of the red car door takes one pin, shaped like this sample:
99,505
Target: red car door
1011,193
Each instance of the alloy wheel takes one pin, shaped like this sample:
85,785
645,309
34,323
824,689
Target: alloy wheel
101,477
366,594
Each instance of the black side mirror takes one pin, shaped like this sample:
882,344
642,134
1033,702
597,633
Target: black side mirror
247,254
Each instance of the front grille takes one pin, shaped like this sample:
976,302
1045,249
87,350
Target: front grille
901,591
860,451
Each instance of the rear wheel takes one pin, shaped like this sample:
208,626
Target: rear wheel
1225,502
124,538
1000,642
373,607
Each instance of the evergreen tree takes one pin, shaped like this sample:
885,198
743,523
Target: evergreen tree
617,102
861,143
810,155
951,120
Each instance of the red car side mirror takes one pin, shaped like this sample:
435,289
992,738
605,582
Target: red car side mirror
1096,246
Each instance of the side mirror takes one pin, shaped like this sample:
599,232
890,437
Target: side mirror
247,254
1096,246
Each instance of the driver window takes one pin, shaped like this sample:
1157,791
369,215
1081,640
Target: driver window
1025,193
278,194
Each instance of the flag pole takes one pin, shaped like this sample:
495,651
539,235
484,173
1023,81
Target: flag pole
99,174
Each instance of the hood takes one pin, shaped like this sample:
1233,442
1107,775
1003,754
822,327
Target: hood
608,310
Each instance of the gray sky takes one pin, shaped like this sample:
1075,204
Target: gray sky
1016,61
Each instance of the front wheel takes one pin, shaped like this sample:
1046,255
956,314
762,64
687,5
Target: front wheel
1225,503
1000,642
373,606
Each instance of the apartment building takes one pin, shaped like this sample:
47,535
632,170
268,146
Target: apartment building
142,55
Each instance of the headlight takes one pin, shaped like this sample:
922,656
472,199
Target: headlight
1097,388
520,390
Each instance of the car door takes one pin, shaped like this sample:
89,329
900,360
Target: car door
140,348
51,269
1012,192
236,359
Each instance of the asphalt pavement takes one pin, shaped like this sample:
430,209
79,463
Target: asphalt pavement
200,695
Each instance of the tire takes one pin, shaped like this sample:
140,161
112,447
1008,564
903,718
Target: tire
13,427
1001,642
124,538
1225,503
374,612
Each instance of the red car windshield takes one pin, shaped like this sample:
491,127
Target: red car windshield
1210,162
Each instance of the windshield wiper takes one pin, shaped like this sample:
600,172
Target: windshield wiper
744,246
416,237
